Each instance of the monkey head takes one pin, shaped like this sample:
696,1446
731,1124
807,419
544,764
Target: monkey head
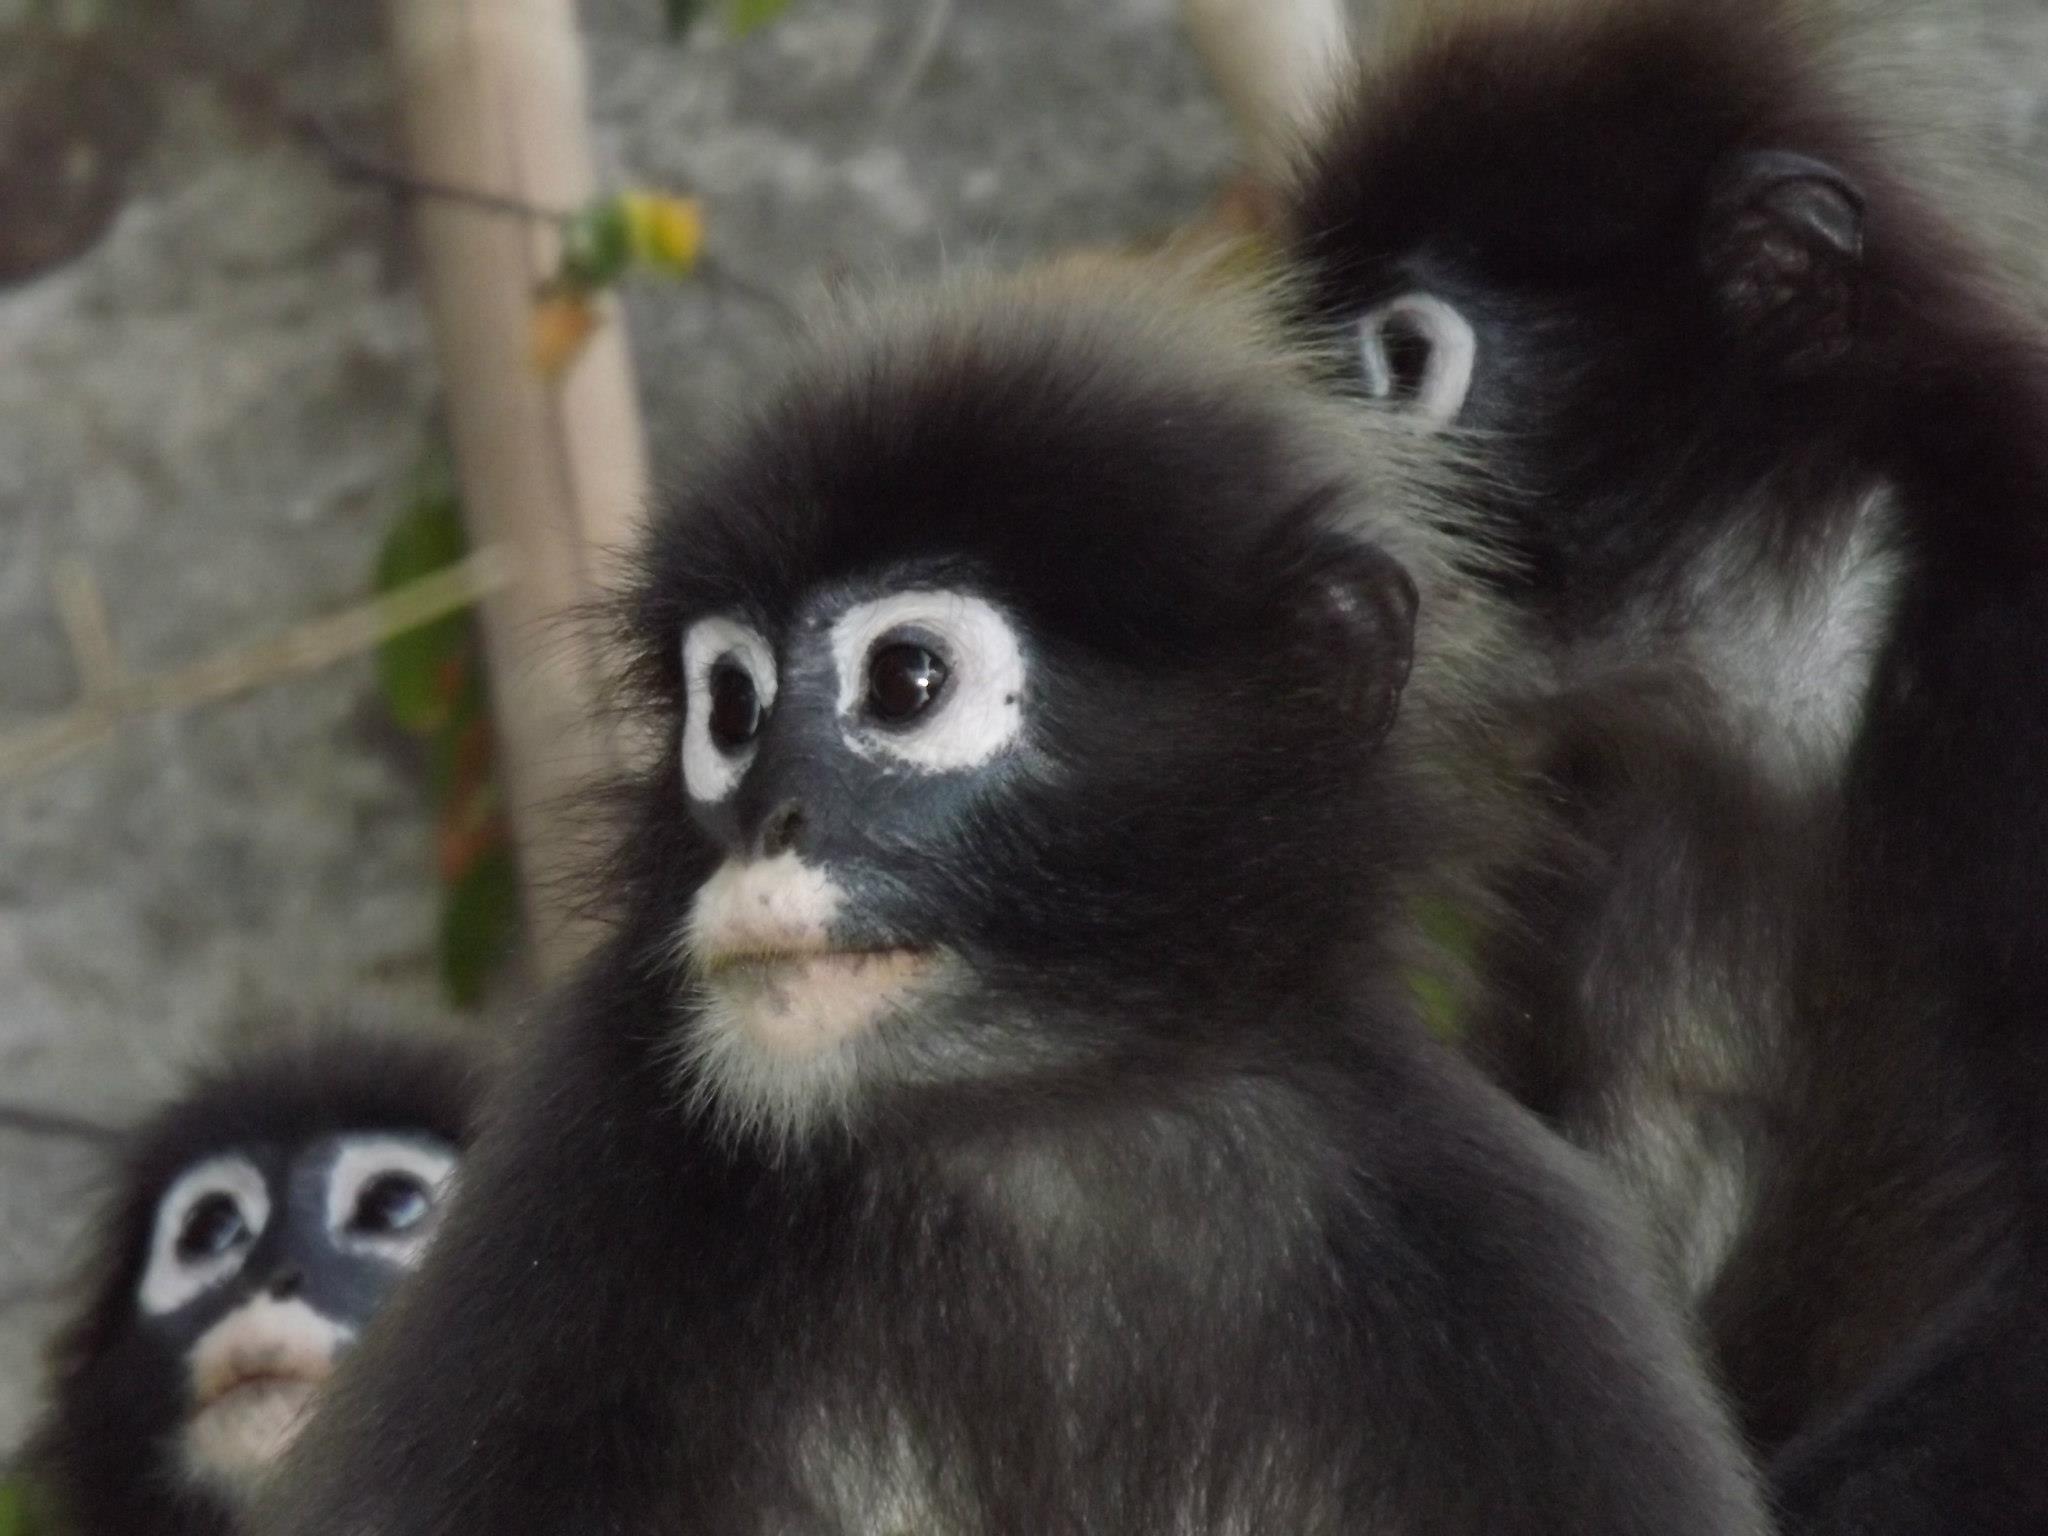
1627,249
1017,656
262,1218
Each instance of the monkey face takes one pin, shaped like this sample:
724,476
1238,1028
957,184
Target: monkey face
839,770
251,1228
1575,238
263,1263
980,663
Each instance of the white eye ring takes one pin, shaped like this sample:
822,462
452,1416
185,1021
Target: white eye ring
364,1159
1438,394
710,772
979,713
170,1282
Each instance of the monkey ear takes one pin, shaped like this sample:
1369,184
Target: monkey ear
1417,353
1783,248
1364,618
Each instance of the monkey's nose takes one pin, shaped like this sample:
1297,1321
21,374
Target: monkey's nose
287,1282
780,827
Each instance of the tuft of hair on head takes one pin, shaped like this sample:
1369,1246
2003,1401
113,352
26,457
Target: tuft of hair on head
1103,358
1808,65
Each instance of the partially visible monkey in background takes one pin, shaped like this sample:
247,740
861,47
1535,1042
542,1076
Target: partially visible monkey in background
1770,446
258,1222
1000,1109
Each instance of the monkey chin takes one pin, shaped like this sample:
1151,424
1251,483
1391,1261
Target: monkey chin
254,1377
778,1043
235,1439
795,1005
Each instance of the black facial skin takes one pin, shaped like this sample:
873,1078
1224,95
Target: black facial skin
878,823
108,1453
1214,1237
294,1255
1710,316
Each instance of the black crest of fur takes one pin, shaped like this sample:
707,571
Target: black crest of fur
103,1454
1215,1238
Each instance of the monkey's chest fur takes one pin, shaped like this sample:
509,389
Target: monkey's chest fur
1651,1004
1016,1354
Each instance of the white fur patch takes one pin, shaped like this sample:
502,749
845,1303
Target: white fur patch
795,1007
709,771
169,1282
1446,373
364,1159
254,1375
980,710
778,1012
762,907
1793,659
1684,1163
880,1481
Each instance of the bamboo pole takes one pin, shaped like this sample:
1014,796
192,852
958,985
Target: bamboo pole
1275,63
552,471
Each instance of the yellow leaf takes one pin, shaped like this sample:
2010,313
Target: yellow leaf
562,321
666,232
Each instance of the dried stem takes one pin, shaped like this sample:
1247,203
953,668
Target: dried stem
308,647
83,613
25,1120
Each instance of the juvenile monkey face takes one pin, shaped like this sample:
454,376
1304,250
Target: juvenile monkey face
253,1376
835,760
263,1265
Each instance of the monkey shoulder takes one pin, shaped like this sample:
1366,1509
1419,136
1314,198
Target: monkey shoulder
1492,1264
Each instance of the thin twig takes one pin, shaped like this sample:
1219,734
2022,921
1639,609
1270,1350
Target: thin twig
83,613
719,278
924,49
260,97
351,164
308,647
25,1120
22,1296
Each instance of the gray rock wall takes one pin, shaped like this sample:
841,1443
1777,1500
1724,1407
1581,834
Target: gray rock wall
219,407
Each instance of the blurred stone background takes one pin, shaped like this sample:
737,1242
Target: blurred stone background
219,405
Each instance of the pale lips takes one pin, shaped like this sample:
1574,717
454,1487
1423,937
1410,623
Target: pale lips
257,1372
254,1376
251,1419
798,994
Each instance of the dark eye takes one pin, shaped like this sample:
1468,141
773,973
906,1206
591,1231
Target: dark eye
1405,348
735,706
212,1227
391,1202
903,680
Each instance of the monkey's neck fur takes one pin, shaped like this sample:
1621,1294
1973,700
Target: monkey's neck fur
1061,1242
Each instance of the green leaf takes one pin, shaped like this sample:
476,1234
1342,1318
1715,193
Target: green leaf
597,244
464,703
479,923
677,15
743,16
1438,1001
413,668
433,474
1455,940
22,1512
